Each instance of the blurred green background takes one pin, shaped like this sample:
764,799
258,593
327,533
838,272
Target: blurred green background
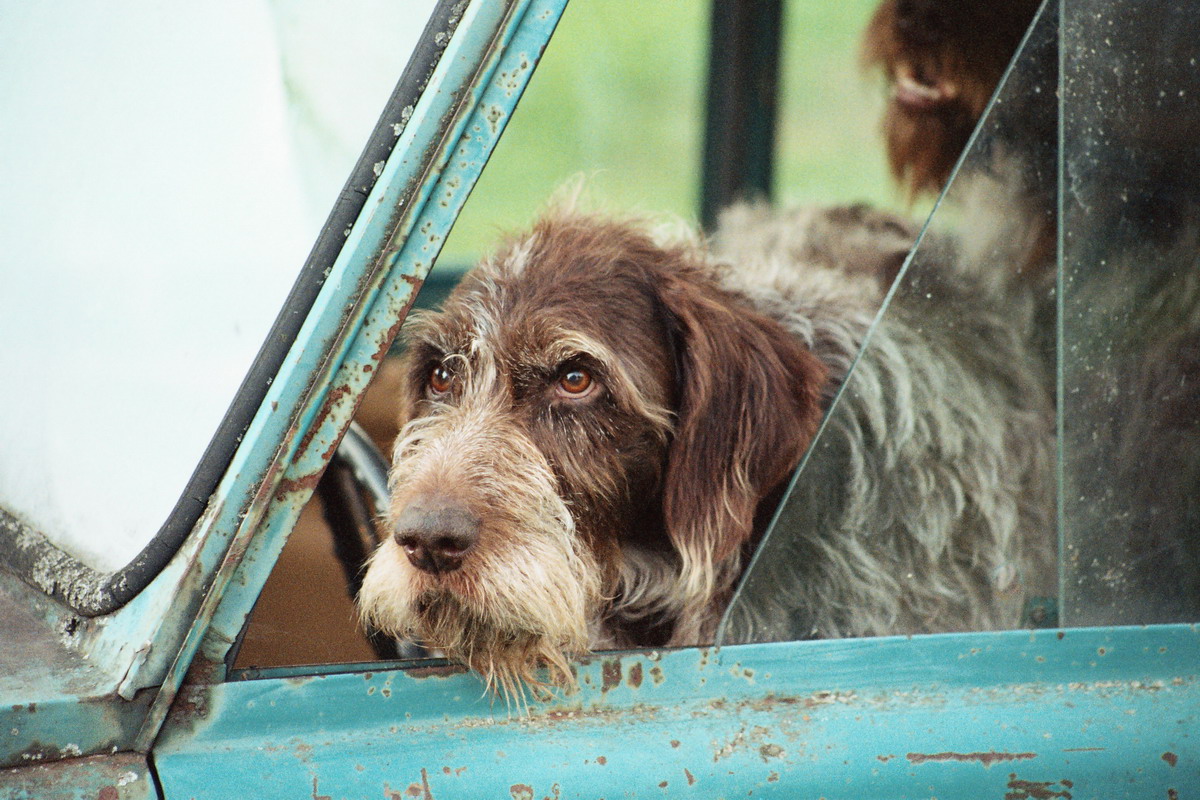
619,98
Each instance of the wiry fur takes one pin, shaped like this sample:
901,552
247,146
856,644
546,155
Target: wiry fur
928,506
627,519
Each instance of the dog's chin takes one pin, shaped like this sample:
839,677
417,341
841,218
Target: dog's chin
518,634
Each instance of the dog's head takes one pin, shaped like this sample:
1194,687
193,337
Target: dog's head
942,60
590,424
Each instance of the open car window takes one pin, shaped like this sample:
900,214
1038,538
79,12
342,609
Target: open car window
164,183
552,140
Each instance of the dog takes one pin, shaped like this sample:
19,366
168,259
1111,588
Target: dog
1128,359
603,416
942,60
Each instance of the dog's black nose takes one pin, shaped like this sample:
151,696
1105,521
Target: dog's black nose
436,535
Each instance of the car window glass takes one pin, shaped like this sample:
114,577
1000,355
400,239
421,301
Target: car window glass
1130,346
619,107
1108,295
925,502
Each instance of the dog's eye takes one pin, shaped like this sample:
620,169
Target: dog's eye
440,379
576,383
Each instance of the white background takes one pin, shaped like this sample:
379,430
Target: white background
164,171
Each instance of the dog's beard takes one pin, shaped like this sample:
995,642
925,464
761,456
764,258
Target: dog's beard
504,622
523,598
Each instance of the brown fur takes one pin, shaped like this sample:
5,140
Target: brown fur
942,60
704,407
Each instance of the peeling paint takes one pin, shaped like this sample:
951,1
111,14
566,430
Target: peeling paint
610,671
440,671
769,751
635,676
987,759
1036,790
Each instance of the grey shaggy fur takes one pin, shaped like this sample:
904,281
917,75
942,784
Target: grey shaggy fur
926,503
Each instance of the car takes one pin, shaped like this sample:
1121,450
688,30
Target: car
122,680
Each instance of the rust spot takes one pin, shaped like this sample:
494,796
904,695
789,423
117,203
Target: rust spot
601,760
1035,790
385,344
885,759
691,779
521,791
440,671
662,784
770,751
987,759
656,675
335,394
1172,794
1170,758
191,702
108,793
773,777
635,677
1101,650
421,789
611,674
1061,634
305,483
674,743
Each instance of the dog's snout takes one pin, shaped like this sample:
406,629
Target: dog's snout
436,535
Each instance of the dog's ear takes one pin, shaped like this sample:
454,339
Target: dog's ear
748,404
